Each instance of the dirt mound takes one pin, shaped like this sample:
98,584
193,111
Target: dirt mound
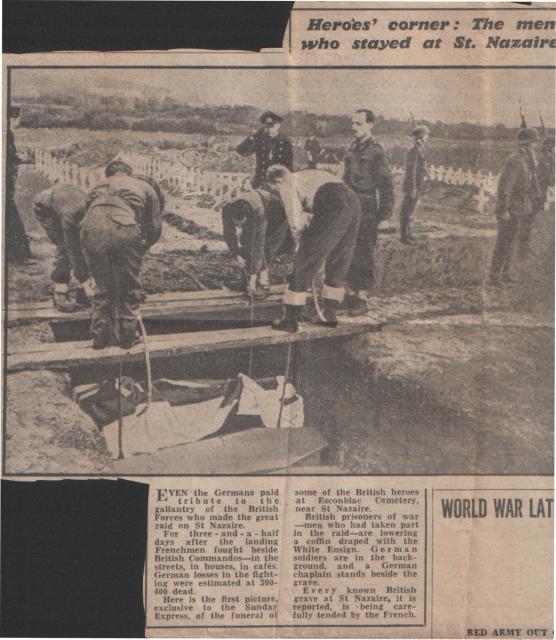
47,432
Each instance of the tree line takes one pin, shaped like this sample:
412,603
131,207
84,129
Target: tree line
165,114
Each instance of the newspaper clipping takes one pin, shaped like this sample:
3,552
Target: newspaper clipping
306,295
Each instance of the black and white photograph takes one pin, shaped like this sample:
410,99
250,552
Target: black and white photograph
278,270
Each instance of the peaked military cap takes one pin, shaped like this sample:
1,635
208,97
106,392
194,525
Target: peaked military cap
269,117
421,131
527,135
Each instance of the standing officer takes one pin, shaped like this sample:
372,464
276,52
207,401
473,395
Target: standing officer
545,171
367,172
263,234
60,210
328,240
415,174
269,146
518,194
123,220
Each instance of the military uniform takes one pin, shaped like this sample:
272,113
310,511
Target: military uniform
367,172
264,232
314,152
517,195
60,210
17,243
268,150
122,222
329,239
415,174
545,173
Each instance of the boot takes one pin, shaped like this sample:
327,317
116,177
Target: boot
129,338
357,305
81,297
329,312
407,238
102,338
261,292
63,303
506,277
290,319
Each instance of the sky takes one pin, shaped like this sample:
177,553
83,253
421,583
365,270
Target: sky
488,96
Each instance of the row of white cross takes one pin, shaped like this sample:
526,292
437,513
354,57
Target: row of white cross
193,181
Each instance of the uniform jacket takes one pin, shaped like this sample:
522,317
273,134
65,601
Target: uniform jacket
415,168
255,227
268,151
132,201
518,187
367,172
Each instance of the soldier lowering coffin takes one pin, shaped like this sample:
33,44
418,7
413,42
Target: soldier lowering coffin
269,146
123,220
60,210
329,239
264,233
518,194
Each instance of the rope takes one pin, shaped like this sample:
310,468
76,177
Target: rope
117,332
252,304
320,314
286,376
147,364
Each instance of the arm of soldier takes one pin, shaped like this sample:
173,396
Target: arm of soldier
249,145
384,184
258,239
346,173
152,218
44,214
229,231
293,209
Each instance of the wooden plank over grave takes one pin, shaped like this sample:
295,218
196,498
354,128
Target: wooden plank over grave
194,305
70,355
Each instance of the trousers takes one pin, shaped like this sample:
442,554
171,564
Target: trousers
65,236
114,254
526,226
501,258
329,239
362,272
406,212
